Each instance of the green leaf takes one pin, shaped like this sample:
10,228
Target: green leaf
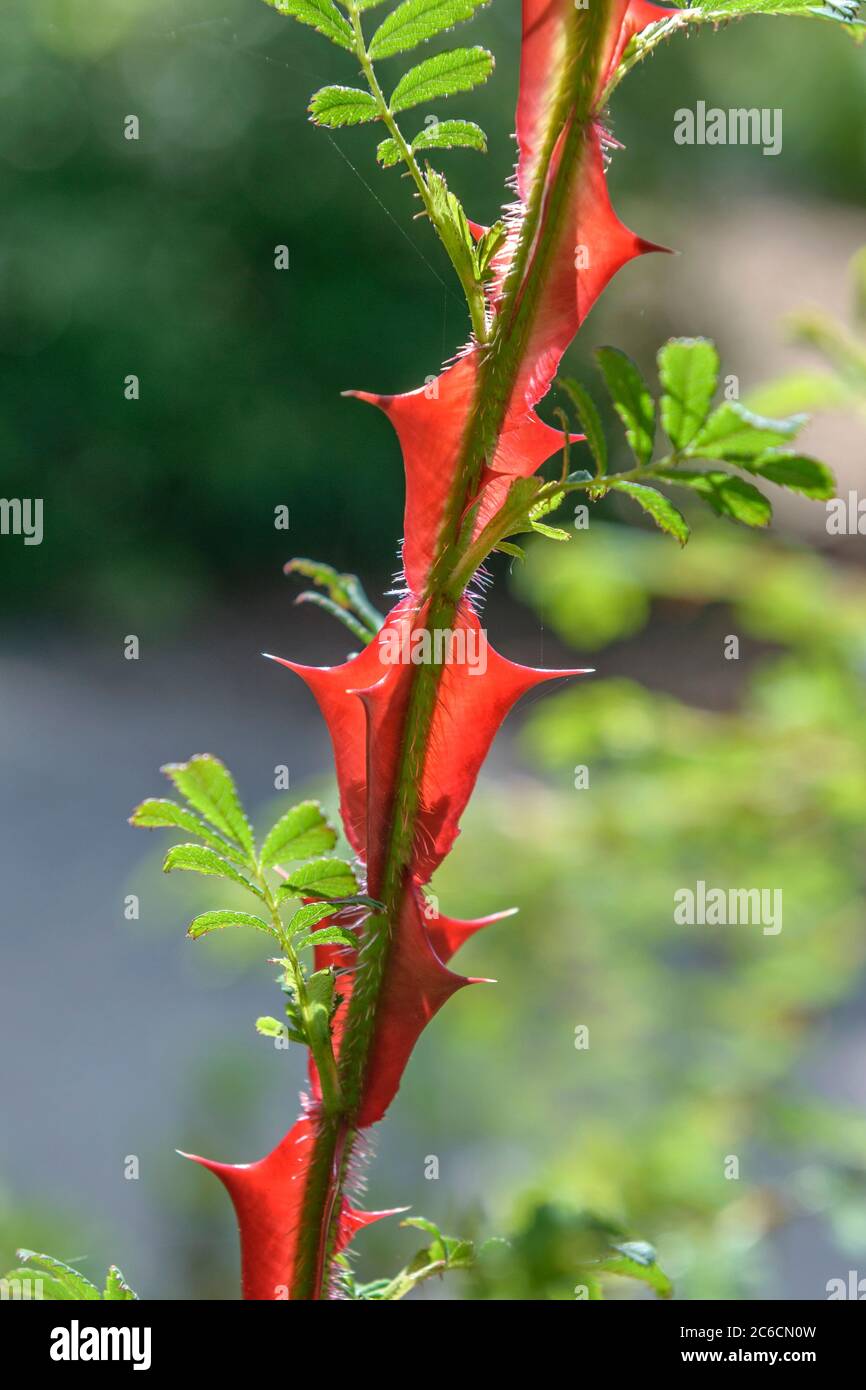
553,533
546,505
116,1287
322,878
459,1254
159,813
636,1260
75,1285
302,831
27,1285
451,223
443,1253
796,472
204,861
689,374
449,135
388,153
331,936
309,915
421,1223
209,787
227,917
339,106
515,518
515,551
656,505
733,434
294,1030
456,71
590,422
322,15
355,626
630,395
271,1027
728,496
493,239
320,993
843,11
345,590
415,21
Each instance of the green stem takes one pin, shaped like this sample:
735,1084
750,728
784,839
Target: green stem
505,522
500,360
645,44
318,1038
473,291
379,928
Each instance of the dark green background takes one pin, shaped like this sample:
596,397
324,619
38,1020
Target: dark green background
155,257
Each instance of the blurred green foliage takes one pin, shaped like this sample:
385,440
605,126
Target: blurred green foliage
840,382
705,1042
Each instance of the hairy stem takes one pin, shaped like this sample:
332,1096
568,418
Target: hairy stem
500,361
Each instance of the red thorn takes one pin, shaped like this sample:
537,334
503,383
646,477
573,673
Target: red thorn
645,247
